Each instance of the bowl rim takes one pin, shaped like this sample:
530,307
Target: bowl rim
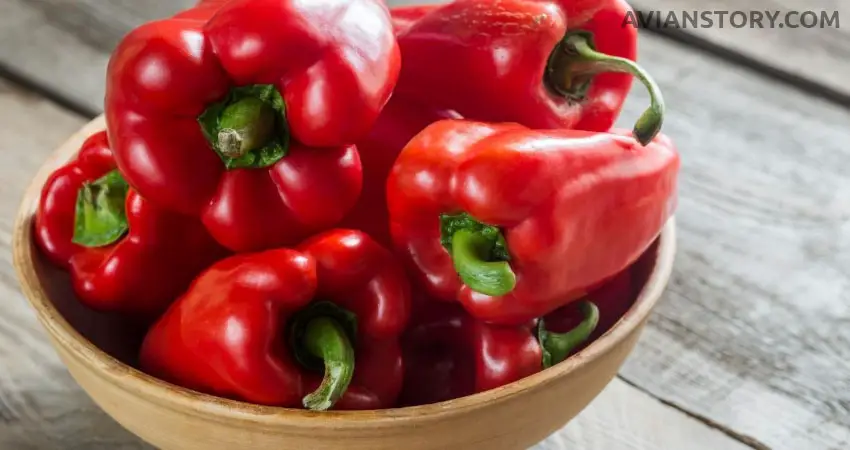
131,379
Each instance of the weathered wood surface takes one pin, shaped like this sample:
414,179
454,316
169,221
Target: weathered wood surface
623,418
63,46
41,407
820,54
753,335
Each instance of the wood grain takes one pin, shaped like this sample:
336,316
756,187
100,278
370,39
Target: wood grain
821,54
40,406
72,40
63,46
753,333
625,419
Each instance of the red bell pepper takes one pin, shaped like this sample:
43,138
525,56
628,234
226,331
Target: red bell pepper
449,354
514,223
408,112
124,253
544,64
245,112
399,122
259,327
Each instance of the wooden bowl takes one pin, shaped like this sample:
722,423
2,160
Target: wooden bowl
99,352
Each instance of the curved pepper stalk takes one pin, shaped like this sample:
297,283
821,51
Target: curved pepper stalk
574,63
326,339
322,339
557,346
479,253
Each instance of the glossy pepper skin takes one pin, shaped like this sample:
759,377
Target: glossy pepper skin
408,112
514,223
234,333
544,64
244,113
147,264
400,121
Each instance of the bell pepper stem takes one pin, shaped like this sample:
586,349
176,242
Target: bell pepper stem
469,254
100,217
557,346
248,128
583,59
326,339
246,125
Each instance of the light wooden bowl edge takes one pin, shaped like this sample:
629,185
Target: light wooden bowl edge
131,379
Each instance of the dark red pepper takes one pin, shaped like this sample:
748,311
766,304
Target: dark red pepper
613,298
449,354
260,327
124,253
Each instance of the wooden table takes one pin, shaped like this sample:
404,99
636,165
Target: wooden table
749,348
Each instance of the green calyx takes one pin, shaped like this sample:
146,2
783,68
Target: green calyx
322,338
557,346
248,129
479,253
574,63
101,218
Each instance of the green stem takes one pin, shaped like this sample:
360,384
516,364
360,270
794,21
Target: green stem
248,128
101,218
246,125
470,253
557,346
578,61
326,339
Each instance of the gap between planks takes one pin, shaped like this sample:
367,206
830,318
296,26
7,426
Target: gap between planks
46,26
742,438
793,78
813,59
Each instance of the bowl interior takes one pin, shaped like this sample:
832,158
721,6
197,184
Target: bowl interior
111,341
116,336
113,334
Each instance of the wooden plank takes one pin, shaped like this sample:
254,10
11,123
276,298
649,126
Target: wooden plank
623,418
753,332
42,407
820,54
64,46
